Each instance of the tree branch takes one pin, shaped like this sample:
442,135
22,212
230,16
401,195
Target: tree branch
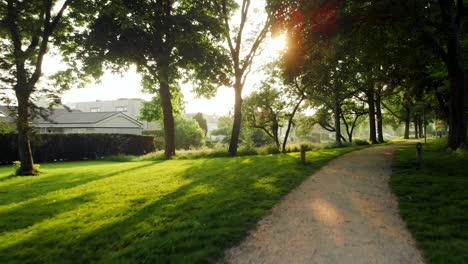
49,27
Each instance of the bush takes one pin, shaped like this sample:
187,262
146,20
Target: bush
360,142
188,134
17,167
336,145
58,147
269,149
121,158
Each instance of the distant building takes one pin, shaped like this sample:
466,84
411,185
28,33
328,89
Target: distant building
88,122
64,121
130,107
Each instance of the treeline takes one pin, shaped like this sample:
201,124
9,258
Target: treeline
402,60
347,59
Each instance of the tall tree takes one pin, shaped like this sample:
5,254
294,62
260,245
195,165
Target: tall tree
28,31
242,53
168,40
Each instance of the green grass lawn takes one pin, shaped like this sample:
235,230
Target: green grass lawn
434,200
178,211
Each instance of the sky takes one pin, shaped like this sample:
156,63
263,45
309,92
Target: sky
127,85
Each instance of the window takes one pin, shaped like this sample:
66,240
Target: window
121,109
96,109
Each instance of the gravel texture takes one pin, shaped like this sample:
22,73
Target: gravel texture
345,213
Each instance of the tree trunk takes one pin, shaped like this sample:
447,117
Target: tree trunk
407,121
371,104
168,116
456,70
24,146
337,113
420,129
290,121
416,133
275,128
237,117
350,137
378,108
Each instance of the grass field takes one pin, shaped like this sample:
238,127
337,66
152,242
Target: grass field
178,211
434,200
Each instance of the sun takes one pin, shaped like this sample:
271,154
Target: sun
278,43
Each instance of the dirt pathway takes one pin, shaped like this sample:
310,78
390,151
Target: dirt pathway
345,213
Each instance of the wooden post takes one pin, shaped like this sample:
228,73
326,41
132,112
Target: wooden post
303,154
419,151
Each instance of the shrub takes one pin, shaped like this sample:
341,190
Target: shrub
121,158
56,147
188,134
269,149
360,142
336,145
17,167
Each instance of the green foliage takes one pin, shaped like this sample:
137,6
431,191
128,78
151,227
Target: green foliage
6,127
55,147
224,126
360,142
121,158
173,211
433,200
188,133
152,110
201,122
153,133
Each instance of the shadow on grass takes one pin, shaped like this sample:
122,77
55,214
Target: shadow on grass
38,211
25,188
193,224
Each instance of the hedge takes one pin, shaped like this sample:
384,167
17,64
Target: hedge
54,147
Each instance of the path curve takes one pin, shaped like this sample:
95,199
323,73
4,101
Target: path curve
344,213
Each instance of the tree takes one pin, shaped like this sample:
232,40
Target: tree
224,127
201,122
169,41
29,30
275,104
242,53
351,113
264,109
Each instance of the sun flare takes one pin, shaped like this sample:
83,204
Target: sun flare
278,43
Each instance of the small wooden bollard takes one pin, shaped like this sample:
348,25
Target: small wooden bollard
303,154
420,157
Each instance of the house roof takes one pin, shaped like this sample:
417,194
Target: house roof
5,114
77,117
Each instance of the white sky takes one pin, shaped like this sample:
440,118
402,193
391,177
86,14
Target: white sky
115,86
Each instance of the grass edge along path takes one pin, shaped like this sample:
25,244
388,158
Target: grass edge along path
433,200
177,211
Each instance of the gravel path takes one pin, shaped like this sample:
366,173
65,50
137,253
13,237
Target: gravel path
345,213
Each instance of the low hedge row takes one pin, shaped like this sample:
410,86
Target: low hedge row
53,147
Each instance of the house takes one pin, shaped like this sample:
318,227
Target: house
63,121
130,107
